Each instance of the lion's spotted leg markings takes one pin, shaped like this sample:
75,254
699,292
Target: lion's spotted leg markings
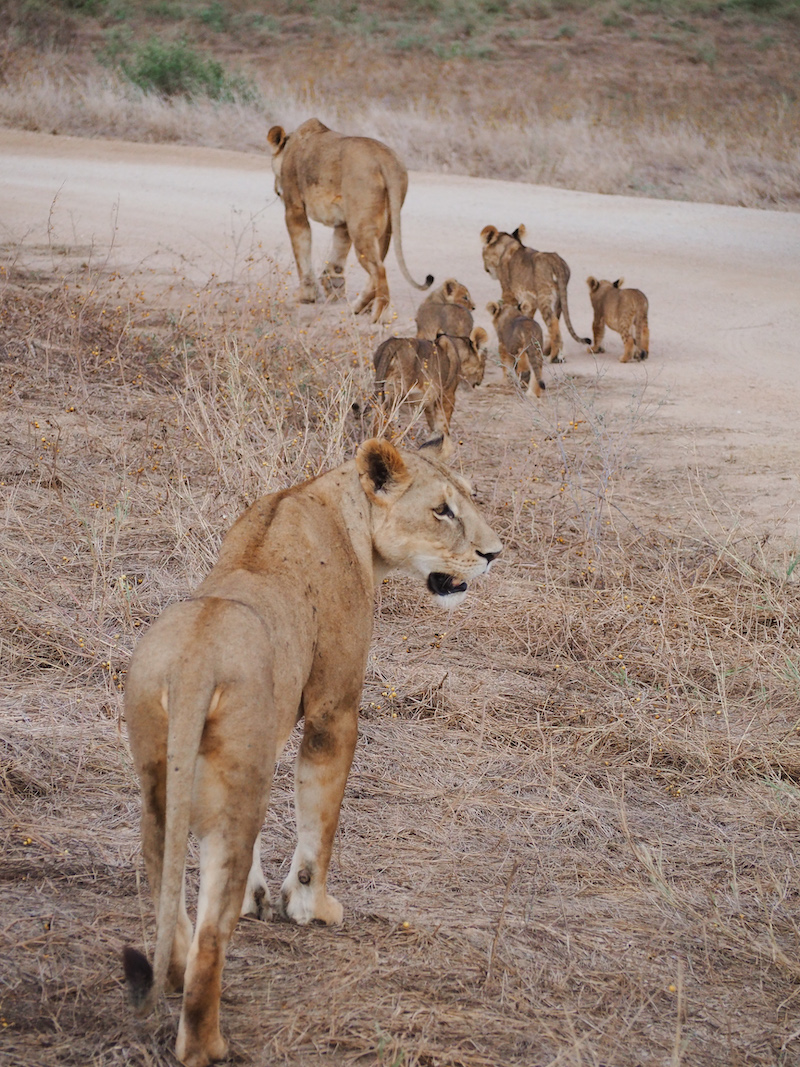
256,903
323,764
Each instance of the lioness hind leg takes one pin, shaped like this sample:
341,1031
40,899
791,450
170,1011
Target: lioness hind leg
224,863
332,277
153,788
323,764
377,293
230,798
300,234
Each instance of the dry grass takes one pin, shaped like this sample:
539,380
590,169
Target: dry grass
569,836
576,110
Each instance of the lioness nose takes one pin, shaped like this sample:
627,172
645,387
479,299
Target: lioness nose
489,556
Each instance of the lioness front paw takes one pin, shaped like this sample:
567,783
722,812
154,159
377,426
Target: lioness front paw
303,905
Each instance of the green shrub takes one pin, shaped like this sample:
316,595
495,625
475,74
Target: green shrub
176,69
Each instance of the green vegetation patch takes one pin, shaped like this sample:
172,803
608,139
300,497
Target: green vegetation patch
174,68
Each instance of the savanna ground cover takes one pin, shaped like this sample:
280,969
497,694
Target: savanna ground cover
570,833
686,99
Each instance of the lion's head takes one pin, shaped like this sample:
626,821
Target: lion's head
496,244
425,523
456,293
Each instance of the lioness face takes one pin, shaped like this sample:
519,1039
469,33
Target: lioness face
428,525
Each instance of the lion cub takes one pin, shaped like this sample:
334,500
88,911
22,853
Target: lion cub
622,310
413,369
448,310
519,339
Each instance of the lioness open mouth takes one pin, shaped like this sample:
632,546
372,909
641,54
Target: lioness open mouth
442,584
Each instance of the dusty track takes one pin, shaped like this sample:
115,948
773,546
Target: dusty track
723,284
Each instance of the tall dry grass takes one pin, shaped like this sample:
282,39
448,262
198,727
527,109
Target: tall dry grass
527,125
570,833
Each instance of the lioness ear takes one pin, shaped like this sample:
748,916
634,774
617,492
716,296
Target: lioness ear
592,282
618,283
489,235
276,139
440,446
381,469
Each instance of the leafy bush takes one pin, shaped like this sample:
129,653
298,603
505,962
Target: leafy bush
176,69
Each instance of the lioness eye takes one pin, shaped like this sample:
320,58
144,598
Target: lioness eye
444,512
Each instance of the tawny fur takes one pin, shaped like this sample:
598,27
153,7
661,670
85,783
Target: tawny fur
519,339
417,371
541,275
621,310
278,631
357,186
448,310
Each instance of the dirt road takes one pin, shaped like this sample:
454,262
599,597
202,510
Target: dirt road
723,284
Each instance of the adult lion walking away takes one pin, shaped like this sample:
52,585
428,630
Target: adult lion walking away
356,185
523,271
278,631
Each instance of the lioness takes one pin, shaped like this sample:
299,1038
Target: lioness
413,369
278,631
448,310
542,275
519,339
622,310
354,184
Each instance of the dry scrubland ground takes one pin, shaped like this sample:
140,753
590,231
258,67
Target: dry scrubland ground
570,832
686,99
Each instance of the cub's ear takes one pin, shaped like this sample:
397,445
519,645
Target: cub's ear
528,304
493,308
440,446
449,287
520,232
618,283
276,139
381,470
479,338
489,235
593,283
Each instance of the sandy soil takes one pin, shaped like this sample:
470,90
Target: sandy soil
720,388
